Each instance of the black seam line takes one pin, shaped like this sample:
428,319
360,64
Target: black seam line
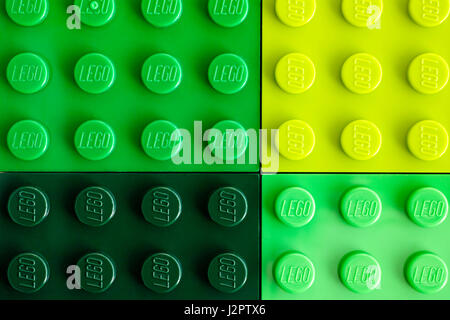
260,146
355,173
260,75
134,172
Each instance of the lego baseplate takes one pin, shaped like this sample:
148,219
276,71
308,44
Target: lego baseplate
132,236
354,237
356,85
109,95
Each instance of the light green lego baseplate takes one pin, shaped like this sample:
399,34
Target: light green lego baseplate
327,238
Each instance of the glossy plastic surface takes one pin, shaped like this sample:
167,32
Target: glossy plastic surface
116,84
387,243
330,63
117,248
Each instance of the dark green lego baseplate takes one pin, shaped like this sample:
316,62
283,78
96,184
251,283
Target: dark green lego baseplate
128,106
327,237
128,239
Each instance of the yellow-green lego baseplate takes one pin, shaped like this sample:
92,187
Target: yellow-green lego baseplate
329,39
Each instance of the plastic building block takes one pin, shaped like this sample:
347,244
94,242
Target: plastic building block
356,85
132,236
89,89
355,236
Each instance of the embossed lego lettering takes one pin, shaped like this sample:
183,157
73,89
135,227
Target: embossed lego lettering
96,7
27,272
94,206
95,140
360,9
27,206
161,276
27,140
429,73
95,73
361,140
27,73
94,272
296,10
429,275
429,141
162,73
227,272
24,7
296,73
429,208
162,7
161,209
431,10
362,73
229,73
362,208
227,205
228,7
296,208
295,274
160,140
296,140
362,274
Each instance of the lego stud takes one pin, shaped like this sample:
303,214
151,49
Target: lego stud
161,140
427,140
295,13
161,73
426,272
95,73
361,207
362,14
361,73
228,140
295,73
360,272
27,14
427,207
361,140
94,140
162,14
161,273
27,140
429,13
228,73
27,73
96,13
295,140
227,206
428,73
161,206
228,13
227,273
98,272
294,272
28,206
95,206
28,272
295,207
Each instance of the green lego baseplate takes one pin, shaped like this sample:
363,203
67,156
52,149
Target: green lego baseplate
355,236
132,236
109,95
